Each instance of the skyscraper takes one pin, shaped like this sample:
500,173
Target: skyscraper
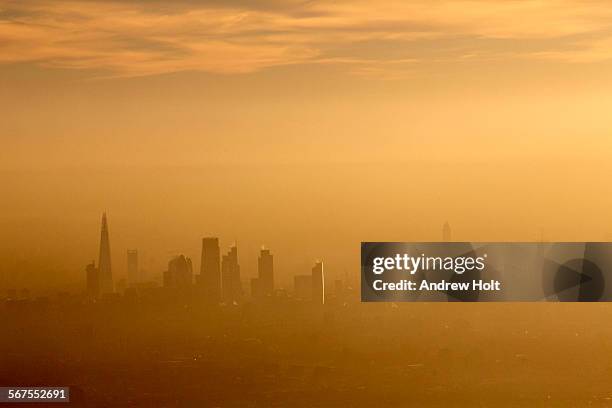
104,262
210,269
265,270
179,273
230,274
318,283
132,267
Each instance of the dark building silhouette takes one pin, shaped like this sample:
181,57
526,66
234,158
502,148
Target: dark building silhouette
92,280
105,274
318,283
446,232
209,279
302,287
230,274
179,273
265,270
132,267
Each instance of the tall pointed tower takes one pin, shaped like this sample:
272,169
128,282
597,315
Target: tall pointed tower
104,263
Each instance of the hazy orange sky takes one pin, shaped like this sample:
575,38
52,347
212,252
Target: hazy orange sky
306,126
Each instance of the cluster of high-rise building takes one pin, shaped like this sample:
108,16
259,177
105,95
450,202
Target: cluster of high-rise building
219,279
311,286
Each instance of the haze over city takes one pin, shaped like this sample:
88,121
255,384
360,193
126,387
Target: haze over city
303,126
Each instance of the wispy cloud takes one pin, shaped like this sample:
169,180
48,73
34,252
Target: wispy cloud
135,38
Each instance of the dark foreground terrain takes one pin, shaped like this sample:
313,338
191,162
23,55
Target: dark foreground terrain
174,352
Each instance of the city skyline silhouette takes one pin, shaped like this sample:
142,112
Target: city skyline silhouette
185,186
219,279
